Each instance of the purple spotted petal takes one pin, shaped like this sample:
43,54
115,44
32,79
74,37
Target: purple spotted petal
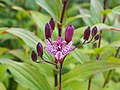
59,49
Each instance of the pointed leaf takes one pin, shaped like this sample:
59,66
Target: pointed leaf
27,75
89,68
53,7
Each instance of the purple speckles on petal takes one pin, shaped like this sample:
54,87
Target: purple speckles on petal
59,55
59,48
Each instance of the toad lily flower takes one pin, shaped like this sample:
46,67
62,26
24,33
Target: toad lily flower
60,48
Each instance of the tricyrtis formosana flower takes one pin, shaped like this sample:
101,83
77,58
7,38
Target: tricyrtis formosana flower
60,48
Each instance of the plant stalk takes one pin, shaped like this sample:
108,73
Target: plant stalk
89,83
55,76
60,77
103,21
62,17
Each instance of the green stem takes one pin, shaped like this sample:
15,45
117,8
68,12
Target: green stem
55,76
106,80
89,83
60,77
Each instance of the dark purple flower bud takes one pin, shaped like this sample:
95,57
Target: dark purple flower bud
39,49
34,56
94,31
96,37
87,33
48,31
69,33
64,1
52,23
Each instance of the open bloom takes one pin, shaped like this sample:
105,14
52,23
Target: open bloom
59,48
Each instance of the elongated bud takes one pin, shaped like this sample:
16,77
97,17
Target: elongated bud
87,33
64,1
34,56
48,31
96,37
52,23
69,33
39,49
94,31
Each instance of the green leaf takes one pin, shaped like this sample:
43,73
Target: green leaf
105,12
28,37
22,55
95,8
2,30
53,7
105,89
115,44
27,75
87,20
19,87
70,19
89,68
3,69
78,55
116,10
2,86
40,19
3,50
95,15
77,85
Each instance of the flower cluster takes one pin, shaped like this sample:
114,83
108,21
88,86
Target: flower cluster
61,47
58,48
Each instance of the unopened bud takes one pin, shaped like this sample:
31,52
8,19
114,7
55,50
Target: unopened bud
87,33
52,23
69,33
34,56
39,49
94,31
48,31
64,1
96,37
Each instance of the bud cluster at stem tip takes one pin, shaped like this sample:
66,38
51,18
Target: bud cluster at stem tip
94,34
39,48
49,27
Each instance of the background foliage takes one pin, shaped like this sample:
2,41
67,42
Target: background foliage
22,27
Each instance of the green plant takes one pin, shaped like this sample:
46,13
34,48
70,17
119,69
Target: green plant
81,70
